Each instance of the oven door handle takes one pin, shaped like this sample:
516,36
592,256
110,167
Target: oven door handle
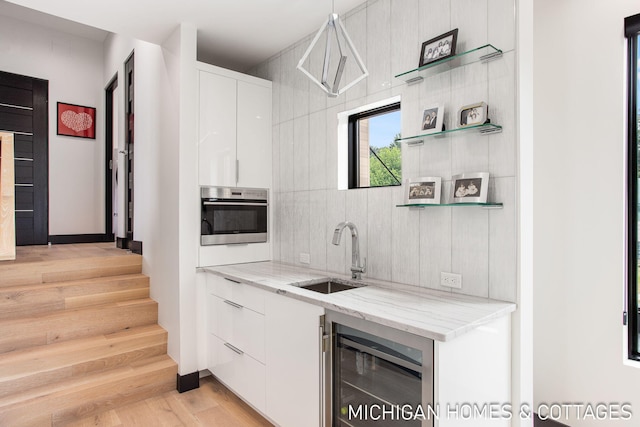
233,204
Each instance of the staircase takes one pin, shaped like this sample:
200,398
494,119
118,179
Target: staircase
78,337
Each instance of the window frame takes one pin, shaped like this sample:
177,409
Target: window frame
632,33
354,142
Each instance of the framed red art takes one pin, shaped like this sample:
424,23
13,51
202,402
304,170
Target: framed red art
76,120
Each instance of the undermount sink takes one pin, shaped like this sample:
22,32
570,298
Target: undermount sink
329,287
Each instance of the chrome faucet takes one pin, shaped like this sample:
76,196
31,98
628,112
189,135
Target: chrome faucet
356,268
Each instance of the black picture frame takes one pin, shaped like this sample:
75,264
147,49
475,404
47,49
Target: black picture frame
426,55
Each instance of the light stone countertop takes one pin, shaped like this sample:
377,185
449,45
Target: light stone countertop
433,314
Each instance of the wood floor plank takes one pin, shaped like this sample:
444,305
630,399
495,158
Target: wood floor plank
69,324
26,300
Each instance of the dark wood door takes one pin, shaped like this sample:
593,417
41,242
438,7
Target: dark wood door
23,111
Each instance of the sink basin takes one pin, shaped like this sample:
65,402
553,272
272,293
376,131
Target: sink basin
329,287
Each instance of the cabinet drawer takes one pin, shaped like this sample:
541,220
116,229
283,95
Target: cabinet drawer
240,372
239,293
237,325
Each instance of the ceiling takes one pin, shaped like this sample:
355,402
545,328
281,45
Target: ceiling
235,34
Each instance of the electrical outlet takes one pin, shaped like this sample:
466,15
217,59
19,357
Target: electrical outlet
304,258
451,280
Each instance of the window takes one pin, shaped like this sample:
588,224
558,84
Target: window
632,32
375,156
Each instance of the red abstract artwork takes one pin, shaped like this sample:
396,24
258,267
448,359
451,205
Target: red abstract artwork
76,120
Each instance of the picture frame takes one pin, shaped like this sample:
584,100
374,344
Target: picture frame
432,119
423,191
438,48
76,120
473,114
470,187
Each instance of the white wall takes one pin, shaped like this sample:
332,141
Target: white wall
401,245
73,66
156,172
579,252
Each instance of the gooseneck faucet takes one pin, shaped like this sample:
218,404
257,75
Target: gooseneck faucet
356,268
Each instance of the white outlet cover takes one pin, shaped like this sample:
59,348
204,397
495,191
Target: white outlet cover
451,280
305,258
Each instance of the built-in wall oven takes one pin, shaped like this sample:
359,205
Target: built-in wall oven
376,375
234,215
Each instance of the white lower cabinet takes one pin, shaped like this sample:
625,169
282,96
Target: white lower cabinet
266,348
293,361
239,371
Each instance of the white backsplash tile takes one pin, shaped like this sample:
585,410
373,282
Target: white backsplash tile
318,229
378,46
470,249
502,24
301,83
356,26
274,70
274,233
405,242
401,244
286,222
275,158
301,224
502,241
300,163
502,146
435,246
335,213
405,40
471,18
287,76
286,156
356,212
318,150
379,230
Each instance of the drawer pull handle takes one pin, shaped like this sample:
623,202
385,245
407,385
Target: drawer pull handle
234,349
231,280
233,304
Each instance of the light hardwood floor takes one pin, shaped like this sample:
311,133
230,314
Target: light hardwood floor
211,405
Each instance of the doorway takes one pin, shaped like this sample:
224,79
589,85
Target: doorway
24,112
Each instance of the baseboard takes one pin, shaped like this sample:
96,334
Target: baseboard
80,238
133,245
537,422
188,382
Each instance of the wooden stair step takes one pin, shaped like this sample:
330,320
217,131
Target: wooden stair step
24,300
70,324
13,274
87,395
42,365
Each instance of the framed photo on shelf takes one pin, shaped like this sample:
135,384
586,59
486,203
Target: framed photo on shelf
441,47
432,119
423,191
76,120
473,114
470,187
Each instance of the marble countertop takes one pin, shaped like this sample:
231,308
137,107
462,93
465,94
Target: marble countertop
433,314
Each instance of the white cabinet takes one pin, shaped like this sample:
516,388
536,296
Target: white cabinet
293,361
234,129
266,348
236,338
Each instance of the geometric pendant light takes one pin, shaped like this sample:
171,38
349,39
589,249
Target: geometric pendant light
338,48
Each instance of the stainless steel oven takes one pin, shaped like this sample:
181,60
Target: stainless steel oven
376,375
234,215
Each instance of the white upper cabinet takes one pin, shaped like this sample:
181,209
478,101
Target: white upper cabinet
254,135
234,129
217,130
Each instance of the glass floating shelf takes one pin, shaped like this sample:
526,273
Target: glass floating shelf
480,54
483,129
488,205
